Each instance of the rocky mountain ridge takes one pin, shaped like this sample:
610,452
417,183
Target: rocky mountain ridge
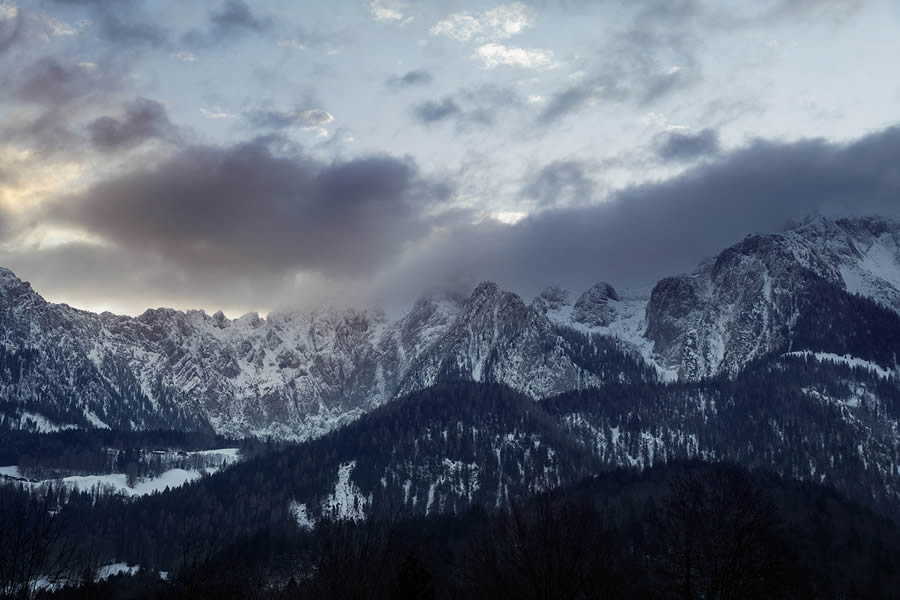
297,375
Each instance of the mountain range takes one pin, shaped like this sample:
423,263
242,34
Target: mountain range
827,289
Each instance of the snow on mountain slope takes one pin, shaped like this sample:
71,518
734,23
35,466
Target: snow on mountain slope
745,303
603,311
498,338
296,375
290,376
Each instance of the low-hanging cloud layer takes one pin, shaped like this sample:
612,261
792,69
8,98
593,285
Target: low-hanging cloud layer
246,209
230,155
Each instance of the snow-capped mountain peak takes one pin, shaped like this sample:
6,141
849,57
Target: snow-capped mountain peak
299,374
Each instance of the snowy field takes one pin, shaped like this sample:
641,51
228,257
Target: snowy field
117,483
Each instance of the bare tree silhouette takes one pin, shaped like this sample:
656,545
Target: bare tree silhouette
720,538
34,552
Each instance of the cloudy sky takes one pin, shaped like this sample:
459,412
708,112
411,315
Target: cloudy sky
254,155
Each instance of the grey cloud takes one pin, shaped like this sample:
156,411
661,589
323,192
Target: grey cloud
127,32
561,183
230,226
124,23
279,119
645,232
468,107
49,133
410,79
234,18
679,146
613,83
837,11
10,31
62,91
576,97
432,111
237,15
49,82
662,83
677,11
722,111
74,272
248,208
7,178
654,56
642,64
144,120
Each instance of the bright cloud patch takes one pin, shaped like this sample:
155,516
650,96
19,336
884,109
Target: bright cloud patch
186,57
506,21
55,26
493,55
388,12
8,12
216,114
462,27
499,23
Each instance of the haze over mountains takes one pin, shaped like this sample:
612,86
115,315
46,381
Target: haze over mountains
296,375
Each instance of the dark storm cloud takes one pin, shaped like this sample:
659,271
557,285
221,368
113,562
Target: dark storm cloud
645,232
560,183
410,79
250,208
144,119
678,146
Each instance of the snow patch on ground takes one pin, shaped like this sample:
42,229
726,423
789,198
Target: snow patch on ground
115,483
347,501
233,453
40,423
12,471
110,570
848,360
302,515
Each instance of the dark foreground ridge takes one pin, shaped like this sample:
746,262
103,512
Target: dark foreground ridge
684,530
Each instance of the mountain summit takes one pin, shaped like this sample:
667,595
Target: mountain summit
299,374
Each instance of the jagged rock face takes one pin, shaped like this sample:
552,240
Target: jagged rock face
553,298
296,375
291,375
593,307
745,304
497,338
